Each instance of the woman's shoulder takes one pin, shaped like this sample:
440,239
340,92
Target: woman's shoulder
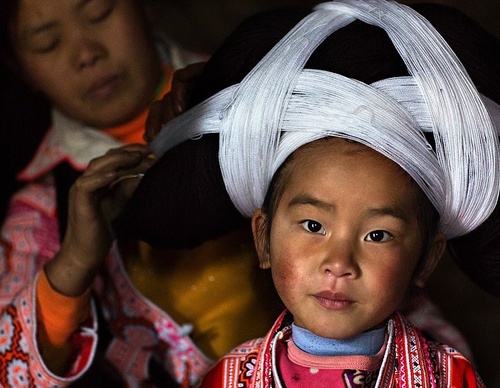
39,196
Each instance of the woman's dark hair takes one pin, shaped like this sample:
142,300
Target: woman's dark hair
8,17
24,114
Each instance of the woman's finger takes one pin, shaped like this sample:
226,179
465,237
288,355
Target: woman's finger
182,83
154,120
173,103
116,159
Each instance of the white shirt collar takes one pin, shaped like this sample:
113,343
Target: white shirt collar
67,141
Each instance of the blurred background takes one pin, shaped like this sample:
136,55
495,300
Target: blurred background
202,24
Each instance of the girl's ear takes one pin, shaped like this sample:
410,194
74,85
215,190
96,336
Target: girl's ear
435,253
260,238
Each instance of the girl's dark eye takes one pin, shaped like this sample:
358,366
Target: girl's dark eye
378,236
313,227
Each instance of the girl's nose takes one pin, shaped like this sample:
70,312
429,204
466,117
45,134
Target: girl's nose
340,259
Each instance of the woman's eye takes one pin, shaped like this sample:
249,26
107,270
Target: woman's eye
46,47
378,236
313,227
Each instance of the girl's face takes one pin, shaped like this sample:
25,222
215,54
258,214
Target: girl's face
92,58
345,239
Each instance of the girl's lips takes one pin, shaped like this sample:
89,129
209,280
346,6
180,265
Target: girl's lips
333,300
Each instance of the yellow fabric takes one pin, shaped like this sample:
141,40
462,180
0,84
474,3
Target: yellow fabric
217,287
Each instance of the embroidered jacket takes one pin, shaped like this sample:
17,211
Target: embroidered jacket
410,360
29,238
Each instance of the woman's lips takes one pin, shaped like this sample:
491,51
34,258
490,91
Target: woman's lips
333,300
103,87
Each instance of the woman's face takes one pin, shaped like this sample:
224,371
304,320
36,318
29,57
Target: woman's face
92,58
345,239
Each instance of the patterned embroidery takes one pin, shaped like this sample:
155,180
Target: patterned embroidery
13,369
248,368
359,379
142,327
6,333
410,361
29,238
433,365
409,370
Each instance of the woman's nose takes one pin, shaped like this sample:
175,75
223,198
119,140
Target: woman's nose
87,50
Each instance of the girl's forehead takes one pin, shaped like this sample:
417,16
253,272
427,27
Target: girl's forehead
331,170
338,146
334,152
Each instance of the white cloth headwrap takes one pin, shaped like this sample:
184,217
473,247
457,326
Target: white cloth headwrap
280,106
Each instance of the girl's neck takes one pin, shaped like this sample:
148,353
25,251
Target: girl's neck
366,344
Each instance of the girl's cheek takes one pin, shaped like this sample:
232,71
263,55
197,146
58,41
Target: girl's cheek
286,271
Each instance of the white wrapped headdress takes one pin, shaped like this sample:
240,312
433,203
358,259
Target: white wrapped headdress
280,106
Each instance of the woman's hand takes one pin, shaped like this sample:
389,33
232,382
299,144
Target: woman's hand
94,200
174,102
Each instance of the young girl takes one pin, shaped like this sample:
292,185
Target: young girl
346,246
351,206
